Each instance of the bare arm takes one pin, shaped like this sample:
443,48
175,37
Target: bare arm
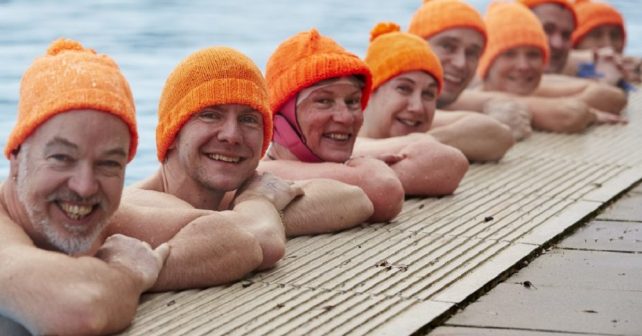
327,206
601,96
208,247
373,176
90,295
426,167
479,137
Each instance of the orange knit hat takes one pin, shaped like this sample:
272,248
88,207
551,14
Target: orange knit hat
435,16
209,77
591,15
510,25
564,3
391,53
71,77
308,58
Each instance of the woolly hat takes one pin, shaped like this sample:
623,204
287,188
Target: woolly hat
71,77
209,77
392,52
591,15
510,25
435,16
308,58
564,3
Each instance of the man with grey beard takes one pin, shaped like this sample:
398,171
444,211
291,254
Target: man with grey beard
74,135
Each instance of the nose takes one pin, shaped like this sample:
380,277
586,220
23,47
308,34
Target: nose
342,114
230,131
458,59
414,102
556,41
84,182
522,61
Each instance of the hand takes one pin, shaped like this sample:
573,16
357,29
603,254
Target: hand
601,117
609,64
511,113
135,257
632,68
279,192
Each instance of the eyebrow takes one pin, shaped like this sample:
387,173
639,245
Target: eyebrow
407,79
58,141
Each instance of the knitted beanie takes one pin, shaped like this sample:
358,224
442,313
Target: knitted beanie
392,52
308,58
209,77
564,3
436,16
591,15
71,77
510,25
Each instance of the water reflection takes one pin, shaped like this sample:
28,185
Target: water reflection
148,38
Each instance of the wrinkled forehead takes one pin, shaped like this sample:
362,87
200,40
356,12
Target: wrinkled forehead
468,37
554,13
351,81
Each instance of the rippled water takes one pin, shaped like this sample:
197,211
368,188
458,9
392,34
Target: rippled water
149,37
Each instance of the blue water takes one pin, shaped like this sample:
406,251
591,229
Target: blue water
149,37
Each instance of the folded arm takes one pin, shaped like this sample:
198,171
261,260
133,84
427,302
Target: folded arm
374,177
425,166
90,296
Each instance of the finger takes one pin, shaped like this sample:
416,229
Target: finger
602,117
162,252
297,190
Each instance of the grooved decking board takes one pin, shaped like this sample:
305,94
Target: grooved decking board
394,278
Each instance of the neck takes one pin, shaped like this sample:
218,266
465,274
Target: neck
278,152
173,180
11,204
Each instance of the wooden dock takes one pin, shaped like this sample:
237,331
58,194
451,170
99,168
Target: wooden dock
394,278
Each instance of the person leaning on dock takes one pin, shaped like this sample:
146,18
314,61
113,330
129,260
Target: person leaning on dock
600,38
512,65
214,126
318,91
559,20
407,78
74,135
457,34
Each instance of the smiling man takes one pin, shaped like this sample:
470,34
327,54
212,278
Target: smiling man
214,126
74,135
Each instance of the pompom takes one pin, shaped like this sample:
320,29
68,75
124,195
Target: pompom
383,28
64,44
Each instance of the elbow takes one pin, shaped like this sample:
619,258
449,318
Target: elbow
500,140
272,251
456,171
387,195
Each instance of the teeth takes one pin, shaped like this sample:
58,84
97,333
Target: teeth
407,122
219,157
76,212
452,78
338,136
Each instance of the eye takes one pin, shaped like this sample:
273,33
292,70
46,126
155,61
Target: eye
323,102
428,94
209,116
353,102
60,158
448,47
510,54
404,89
250,119
473,53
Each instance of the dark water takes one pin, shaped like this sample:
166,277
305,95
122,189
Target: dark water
149,37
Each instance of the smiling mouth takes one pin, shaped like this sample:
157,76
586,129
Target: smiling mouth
453,79
75,211
408,122
338,136
225,158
